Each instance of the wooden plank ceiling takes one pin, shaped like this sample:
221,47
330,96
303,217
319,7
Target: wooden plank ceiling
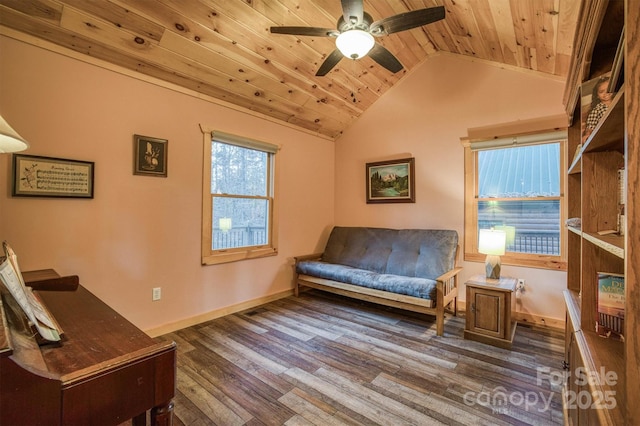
223,48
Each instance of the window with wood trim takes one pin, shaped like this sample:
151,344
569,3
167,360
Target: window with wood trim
238,219
516,184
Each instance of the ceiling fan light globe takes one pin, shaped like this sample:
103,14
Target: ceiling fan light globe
355,44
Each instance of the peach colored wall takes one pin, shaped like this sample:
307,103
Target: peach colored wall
424,116
141,232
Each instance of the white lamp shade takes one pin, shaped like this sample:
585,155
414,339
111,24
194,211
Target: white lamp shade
491,241
355,44
10,140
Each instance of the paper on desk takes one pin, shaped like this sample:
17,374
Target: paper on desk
11,277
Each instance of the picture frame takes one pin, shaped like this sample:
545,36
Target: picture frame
391,181
150,156
37,176
590,112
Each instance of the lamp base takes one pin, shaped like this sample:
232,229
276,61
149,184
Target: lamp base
492,266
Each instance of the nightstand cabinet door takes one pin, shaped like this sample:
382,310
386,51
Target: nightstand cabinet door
487,312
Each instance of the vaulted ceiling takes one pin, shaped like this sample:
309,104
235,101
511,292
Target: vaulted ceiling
224,49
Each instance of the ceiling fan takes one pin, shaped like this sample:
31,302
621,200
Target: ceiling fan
356,31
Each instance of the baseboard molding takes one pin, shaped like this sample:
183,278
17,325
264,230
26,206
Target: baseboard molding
198,319
521,317
525,318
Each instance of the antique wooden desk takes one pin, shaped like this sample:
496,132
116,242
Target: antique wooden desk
105,370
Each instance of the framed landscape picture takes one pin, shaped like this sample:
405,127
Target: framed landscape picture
391,181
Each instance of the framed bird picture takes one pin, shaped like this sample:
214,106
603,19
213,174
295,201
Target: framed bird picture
150,156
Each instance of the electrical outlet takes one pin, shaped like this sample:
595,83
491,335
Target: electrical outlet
520,286
156,294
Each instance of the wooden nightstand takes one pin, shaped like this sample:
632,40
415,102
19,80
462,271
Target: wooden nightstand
488,316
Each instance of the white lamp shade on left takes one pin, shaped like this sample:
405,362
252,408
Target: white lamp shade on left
10,140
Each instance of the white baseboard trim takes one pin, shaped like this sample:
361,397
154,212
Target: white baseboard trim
208,316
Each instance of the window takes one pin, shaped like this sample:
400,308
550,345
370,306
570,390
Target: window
518,187
238,220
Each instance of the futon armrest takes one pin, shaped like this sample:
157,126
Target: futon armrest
448,275
314,256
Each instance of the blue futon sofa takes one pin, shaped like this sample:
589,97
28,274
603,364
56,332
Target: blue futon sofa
413,269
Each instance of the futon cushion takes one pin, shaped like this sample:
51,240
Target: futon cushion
423,288
401,261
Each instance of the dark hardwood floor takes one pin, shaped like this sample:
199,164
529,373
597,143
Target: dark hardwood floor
321,359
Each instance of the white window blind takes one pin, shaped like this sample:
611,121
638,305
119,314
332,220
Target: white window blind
518,140
243,142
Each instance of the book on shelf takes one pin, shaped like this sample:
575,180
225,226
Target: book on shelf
611,305
622,199
622,186
24,305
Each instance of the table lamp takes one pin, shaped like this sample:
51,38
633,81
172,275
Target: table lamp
492,243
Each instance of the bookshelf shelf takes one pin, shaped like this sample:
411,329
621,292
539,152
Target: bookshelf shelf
576,166
609,134
572,301
575,230
614,244
602,360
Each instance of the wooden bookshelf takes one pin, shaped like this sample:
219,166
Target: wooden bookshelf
604,27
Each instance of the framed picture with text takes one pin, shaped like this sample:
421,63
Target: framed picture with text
391,181
35,176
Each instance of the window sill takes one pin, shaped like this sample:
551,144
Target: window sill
528,261
234,256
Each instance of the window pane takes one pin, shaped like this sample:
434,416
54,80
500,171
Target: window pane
531,226
239,171
239,222
527,171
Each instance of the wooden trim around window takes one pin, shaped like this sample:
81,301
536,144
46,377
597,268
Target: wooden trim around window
471,218
213,257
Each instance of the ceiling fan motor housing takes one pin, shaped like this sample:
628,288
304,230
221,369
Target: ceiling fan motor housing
343,25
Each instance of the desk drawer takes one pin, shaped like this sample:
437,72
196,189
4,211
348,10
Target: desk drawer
110,397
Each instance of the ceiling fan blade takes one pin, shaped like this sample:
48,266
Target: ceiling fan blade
408,20
385,58
352,10
306,31
331,61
